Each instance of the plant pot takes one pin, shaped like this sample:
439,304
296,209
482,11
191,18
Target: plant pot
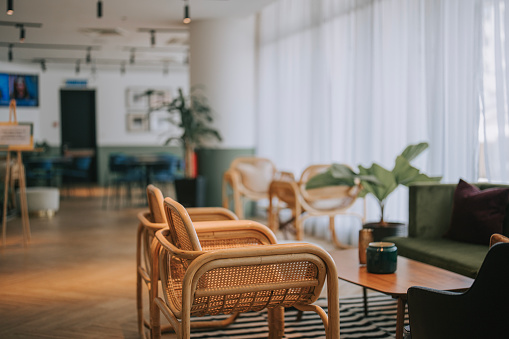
390,229
191,191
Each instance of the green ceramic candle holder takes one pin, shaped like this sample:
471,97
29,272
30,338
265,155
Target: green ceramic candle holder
381,257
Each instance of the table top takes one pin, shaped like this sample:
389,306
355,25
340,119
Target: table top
409,273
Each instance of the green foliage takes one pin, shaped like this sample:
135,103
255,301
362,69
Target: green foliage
377,180
194,116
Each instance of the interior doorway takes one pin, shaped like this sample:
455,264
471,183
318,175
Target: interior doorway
78,126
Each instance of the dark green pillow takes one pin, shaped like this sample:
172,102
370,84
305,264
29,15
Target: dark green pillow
476,214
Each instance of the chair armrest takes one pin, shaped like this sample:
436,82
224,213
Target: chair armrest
217,232
143,218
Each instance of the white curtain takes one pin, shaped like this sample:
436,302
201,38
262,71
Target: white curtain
356,81
495,94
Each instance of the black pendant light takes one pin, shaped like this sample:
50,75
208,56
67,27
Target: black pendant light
99,9
187,17
43,65
132,58
89,56
77,69
10,53
152,37
10,8
21,33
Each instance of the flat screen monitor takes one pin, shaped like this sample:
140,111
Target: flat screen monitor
22,87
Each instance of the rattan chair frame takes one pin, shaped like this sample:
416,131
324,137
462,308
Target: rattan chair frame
150,222
220,280
233,178
288,193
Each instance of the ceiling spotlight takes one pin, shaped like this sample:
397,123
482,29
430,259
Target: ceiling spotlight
99,9
122,68
132,57
77,69
10,52
89,56
43,65
10,8
152,37
21,33
187,18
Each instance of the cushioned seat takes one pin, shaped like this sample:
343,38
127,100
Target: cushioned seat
42,201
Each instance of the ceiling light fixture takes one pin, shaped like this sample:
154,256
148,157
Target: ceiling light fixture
133,57
10,8
10,52
77,69
21,33
99,9
187,17
89,56
43,65
152,37
122,68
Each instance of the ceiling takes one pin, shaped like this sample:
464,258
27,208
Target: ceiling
69,28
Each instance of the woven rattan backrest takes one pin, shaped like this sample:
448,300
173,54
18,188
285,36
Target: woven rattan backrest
210,214
182,232
155,204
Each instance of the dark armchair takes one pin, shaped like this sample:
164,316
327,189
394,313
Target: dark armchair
480,312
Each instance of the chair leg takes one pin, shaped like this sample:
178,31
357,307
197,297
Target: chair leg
335,240
276,318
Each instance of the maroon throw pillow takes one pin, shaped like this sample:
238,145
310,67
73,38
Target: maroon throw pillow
477,214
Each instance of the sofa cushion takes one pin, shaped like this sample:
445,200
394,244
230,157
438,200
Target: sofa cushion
460,257
477,214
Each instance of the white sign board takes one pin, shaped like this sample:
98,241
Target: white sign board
16,136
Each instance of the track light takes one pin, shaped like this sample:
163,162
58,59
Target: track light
187,18
99,9
122,68
10,52
21,33
43,65
77,69
10,8
152,37
132,57
89,56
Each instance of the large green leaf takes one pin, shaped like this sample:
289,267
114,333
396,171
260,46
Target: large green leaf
412,151
406,174
327,179
387,182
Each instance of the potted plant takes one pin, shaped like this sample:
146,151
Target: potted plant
194,116
376,180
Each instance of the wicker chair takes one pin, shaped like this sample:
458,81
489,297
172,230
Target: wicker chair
236,266
151,222
305,203
249,178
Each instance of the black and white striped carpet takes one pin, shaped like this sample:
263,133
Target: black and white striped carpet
380,322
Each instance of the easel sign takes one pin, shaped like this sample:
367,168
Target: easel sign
16,136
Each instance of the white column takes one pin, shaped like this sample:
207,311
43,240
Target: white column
222,58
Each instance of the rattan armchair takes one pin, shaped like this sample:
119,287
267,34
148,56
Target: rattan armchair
236,266
249,178
150,222
305,203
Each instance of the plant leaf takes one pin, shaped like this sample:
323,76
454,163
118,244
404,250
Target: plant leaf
412,151
406,174
327,179
386,181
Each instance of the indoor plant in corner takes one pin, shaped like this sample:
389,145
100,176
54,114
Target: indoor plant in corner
194,116
377,181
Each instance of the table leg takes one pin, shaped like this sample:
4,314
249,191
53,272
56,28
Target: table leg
400,317
365,295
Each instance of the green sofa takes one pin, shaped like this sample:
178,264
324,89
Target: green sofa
430,208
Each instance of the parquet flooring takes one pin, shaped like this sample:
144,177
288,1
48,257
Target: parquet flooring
76,279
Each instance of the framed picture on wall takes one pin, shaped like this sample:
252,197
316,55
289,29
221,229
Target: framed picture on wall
137,122
136,98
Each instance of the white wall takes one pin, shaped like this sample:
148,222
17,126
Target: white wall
222,58
111,109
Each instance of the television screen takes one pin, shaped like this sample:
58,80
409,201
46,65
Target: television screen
22,87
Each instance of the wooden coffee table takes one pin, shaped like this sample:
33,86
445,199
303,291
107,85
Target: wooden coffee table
409,273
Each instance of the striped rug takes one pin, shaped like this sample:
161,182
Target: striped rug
380,322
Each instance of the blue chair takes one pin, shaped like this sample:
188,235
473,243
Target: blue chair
123,176
166,170
78,172
40,172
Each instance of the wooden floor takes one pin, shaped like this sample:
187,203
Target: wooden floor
76,279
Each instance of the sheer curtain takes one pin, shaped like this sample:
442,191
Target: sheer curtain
495,94
355,81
